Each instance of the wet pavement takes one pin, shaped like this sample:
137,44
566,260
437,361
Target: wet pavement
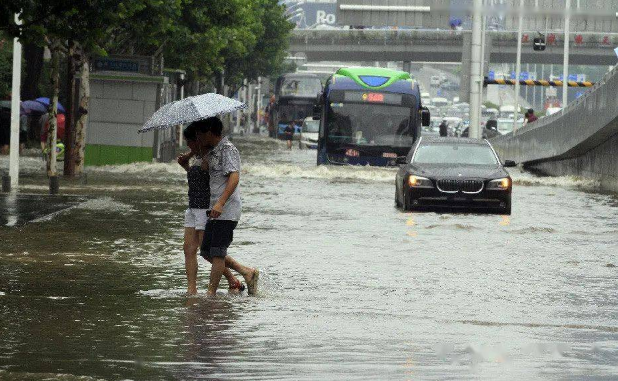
18,208
352,288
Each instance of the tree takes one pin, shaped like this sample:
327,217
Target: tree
267,56
208,32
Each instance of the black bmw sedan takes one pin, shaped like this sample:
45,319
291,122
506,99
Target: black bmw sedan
453,174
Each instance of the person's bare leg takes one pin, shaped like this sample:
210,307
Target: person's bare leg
231,279
190,249
246,272
218,266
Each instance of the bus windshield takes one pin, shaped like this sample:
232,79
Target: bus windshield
301,87
294,112
370,125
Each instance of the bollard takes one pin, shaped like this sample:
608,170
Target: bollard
54,185
6,183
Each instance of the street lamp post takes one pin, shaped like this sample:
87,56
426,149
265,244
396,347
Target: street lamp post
520,32
15,98
565,64
475,77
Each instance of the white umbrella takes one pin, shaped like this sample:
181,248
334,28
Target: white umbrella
191,109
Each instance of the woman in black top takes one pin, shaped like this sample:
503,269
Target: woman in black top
197,213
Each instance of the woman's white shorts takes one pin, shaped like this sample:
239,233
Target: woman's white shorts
196,218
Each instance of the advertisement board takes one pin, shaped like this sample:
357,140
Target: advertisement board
312,13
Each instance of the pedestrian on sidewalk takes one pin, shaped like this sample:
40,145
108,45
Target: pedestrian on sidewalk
198,179
288,133
531,117
225,204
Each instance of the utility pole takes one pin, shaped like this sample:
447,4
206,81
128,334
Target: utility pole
565,67
518,65
15,98
483,68
536,76
475,77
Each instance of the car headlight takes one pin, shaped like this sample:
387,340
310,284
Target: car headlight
499,184
419,182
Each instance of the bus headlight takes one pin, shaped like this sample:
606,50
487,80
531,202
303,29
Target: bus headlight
419,182
499,184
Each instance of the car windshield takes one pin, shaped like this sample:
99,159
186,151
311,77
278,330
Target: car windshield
370,125
506,125
311,126
461,154
301,87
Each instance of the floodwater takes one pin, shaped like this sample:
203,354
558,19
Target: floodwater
352,288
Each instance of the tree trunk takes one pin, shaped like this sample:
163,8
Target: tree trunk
53,121
33,57
82,116
69,135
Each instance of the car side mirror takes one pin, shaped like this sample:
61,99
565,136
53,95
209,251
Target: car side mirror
425,117
401,160
509,164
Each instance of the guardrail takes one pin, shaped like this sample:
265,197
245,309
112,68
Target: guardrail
583,125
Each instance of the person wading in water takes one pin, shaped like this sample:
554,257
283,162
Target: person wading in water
224,168
196,214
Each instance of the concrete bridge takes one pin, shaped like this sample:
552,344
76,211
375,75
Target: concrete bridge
591,48
582,140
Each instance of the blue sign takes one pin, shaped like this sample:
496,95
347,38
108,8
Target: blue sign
572,77
523,76
513,75
491,75
311,13
579,94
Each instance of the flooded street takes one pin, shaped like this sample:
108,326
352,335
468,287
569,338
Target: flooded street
352,288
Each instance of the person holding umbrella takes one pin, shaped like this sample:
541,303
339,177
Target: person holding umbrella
196,215
223,162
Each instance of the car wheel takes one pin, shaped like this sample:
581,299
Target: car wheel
397,203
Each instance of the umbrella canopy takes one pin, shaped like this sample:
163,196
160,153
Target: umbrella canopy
191,109
32,108
46,102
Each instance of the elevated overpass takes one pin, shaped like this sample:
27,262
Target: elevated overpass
581,140
349,45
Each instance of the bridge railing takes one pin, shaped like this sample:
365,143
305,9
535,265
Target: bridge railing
581,126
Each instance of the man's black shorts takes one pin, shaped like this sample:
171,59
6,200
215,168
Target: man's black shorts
218,235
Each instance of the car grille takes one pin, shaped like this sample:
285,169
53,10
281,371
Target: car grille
466,186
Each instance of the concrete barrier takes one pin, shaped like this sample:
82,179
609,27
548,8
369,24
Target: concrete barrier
581,140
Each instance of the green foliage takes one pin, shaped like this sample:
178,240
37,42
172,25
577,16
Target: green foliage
6,69
244,38
266,57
